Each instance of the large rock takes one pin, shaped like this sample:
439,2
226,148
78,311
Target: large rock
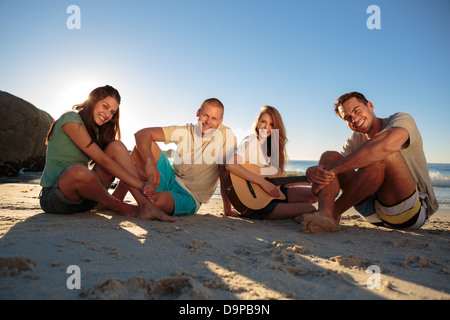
23,129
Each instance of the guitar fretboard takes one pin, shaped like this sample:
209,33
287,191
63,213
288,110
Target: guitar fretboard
287,180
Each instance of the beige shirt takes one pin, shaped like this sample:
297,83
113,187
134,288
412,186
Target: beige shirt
412,151
197,159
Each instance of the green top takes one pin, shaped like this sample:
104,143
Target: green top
62,152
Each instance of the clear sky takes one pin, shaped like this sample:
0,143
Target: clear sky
166,56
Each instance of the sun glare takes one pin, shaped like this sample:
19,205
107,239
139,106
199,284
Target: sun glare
76,93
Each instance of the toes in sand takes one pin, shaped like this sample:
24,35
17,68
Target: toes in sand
318,222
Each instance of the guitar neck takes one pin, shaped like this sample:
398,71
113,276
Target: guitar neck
287,180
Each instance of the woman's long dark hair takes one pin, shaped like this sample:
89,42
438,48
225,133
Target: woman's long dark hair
101,135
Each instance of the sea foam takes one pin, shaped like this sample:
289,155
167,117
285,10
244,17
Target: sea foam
439,180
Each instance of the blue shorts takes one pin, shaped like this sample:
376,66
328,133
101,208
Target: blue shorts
185,204
53,201
410,213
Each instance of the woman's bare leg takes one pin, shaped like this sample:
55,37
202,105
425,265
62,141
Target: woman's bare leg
120,154
79,182
300,202
290,211
121,189
301,195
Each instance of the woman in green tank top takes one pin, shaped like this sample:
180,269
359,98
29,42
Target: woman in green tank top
91,134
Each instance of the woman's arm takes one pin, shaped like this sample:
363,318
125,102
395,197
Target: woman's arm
267,186
79,135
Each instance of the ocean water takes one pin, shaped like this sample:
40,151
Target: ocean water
439,175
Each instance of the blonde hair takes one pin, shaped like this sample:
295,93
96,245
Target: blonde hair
279,125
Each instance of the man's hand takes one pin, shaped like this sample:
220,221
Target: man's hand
149,190
153,174
319,177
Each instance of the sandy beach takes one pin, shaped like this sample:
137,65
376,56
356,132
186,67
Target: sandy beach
210,256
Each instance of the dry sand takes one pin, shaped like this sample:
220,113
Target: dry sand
210,256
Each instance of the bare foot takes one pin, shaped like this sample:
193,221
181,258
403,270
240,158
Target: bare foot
124,209
232,213
318,222
153,213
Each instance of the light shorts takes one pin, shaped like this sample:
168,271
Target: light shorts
185,204
410,213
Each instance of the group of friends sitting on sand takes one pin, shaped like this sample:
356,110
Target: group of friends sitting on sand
381,170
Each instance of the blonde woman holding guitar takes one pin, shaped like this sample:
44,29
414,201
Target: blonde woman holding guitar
262,155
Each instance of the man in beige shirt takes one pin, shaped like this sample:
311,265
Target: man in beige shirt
382,172
181,188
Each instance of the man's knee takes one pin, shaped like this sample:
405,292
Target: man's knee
395,158
155,150
394,161
165,202
136,156
396,167
330,157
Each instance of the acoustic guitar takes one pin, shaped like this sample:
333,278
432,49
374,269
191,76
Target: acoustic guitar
246,197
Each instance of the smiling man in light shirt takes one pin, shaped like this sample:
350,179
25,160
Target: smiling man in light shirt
381,171
181,188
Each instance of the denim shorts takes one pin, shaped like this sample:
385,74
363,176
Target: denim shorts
53,201
185,204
